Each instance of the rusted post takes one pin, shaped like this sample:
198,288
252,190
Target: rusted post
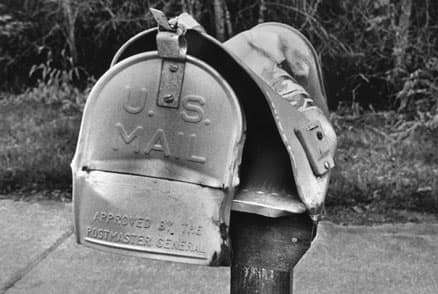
265,251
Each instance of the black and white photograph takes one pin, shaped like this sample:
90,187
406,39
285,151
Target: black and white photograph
219,146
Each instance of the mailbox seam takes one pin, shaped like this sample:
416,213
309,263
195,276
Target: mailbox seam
218,187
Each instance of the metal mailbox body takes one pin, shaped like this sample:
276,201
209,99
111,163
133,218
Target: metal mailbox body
157,181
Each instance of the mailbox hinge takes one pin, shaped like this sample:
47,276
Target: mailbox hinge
172,48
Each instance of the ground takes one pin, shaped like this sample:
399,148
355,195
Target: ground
39,255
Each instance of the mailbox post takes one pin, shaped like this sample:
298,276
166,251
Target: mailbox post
265,251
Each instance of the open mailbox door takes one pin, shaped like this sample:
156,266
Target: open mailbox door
157,157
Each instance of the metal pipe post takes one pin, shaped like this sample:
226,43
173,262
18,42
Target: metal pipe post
265,251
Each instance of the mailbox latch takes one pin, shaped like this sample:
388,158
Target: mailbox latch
172,48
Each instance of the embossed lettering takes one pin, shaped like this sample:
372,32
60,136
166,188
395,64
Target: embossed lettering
122,220
158,142
96,216
165,226
125,220
128,138
188,148
192,156
118,217
180,141
135,100
191,229
193,111
144,240
143,223
115,236
102,215
179,245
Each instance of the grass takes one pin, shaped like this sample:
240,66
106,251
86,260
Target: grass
384,163
37,142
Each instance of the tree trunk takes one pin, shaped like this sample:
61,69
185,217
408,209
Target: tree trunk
262,11
402,34
219,18
228,20
70,15
193,7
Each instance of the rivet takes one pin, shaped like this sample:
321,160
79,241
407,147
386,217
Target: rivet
173,68
319,135
168,98
294,240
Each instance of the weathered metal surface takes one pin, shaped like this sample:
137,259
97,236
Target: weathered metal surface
188,22
157,182
267,203
171,79
288,47
272,116
150,217
280,57
161,19
172,49
124,131
311,189
171,45
317,147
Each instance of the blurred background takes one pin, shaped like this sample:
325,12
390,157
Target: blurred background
380,62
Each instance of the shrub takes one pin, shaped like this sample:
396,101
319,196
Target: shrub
375,52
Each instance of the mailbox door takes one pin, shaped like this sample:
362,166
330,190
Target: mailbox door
156,180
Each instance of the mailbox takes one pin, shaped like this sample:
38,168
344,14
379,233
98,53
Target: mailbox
158,155
290,176
181,129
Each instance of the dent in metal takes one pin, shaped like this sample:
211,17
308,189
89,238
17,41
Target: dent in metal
175,167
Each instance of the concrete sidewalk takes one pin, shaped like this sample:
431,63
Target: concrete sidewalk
38,255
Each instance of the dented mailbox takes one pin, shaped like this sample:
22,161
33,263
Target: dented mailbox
157,157
156,169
